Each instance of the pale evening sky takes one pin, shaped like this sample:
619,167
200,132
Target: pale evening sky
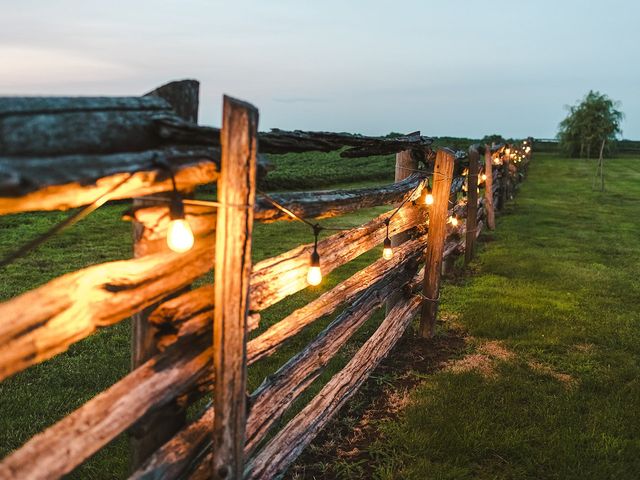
459,68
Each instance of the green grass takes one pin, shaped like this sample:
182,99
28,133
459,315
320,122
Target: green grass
562,271
560,287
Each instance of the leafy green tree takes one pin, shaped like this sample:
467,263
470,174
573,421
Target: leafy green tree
593,120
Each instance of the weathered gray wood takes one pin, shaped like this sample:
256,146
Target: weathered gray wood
47,320
278,277
236,193
443,172
35,126
287,444
277,393
472,203
280,141
65,445
331,203
154,430
58,183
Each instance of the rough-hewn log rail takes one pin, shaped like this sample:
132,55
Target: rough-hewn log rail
278,141
65,445
47,320
330,203
67,181
283,387
321,204
287,444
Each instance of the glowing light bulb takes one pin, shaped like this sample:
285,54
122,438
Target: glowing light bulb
428,199
179,236
453,220
483,177
314,275
387,251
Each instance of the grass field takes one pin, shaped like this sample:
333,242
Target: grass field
549,383
557,288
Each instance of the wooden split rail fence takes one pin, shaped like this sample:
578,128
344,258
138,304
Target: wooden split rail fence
60,153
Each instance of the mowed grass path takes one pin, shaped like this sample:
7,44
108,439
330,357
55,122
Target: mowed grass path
550,385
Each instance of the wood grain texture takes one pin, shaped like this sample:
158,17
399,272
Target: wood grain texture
236,193
278,392
331,203
443,172
65,445
289,442
47,320
67,181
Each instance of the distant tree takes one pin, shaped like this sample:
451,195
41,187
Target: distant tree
495,138
593,120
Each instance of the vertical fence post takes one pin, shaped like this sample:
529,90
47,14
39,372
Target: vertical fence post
405,166
156,429
472,203
504,181
442,177
236,194
488,188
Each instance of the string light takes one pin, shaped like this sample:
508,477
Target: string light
453,220
387,251
314,274
483,177
179,235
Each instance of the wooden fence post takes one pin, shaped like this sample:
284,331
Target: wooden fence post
236,194
504,181
472,203
442,177
488,188
156,429
405,167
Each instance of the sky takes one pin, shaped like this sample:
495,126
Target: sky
447,68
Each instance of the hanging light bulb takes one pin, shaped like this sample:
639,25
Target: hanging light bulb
483,177
453,220
179,234
387,251
428,199
314,274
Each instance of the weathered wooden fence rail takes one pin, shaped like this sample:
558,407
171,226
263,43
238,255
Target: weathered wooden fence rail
59,153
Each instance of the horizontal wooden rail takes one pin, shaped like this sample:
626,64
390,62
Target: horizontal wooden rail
280,141
65,445
330,203
287,444
59,183
47,320
272,399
